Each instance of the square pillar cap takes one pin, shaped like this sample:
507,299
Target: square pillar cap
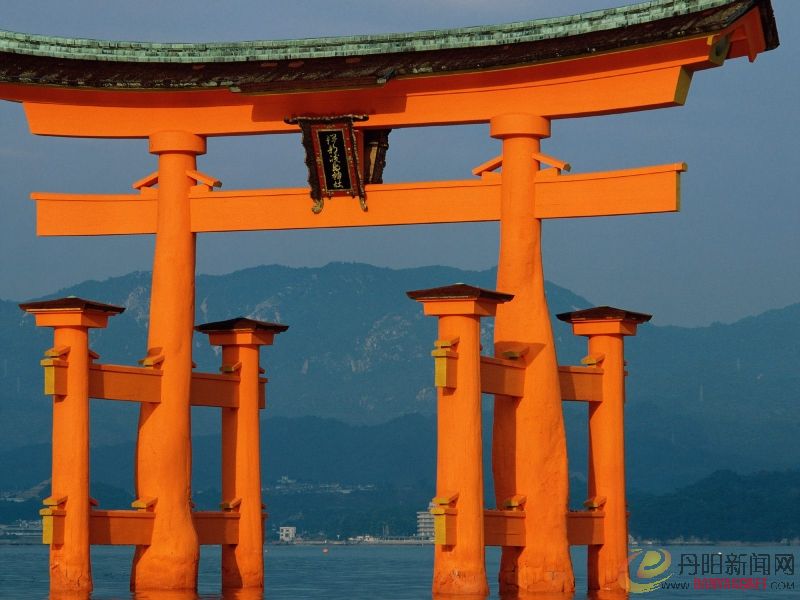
459,291
603,313
72,304
241,324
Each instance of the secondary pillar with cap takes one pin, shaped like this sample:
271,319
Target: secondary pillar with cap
71,318
459,553
241,338
606,328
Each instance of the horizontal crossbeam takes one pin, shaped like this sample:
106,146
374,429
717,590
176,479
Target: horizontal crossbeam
502,377
507,527
582,384
143,384
135,527
632,191
591,86
585,528
504,528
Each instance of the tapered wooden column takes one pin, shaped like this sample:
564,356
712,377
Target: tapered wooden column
163,452
606,327
459,553
529,450
241,338
70,318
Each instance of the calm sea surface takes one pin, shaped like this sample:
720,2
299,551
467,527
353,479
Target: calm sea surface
388,573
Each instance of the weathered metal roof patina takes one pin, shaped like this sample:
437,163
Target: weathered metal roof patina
360,61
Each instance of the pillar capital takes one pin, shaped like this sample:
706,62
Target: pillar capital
517,124
241,331
459,299
604,320
177,141
71,312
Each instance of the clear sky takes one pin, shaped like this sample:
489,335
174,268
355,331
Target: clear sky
732,251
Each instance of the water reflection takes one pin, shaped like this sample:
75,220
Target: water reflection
538,596
70,596
606,595
165,595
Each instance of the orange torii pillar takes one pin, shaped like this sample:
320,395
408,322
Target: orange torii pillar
529,447
71,318
459,554
606,328
163,449
241,338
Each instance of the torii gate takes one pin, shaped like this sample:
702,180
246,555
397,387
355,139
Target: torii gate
517,78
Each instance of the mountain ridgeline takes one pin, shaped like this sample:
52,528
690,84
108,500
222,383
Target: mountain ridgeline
357,358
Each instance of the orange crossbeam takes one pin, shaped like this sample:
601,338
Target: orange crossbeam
630,191
582,384
135,528
211,389
592,85
585,528
117,382
507,527
504,528
143,384
502,377
215,527
120,527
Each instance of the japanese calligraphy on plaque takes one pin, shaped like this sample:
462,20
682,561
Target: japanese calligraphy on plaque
332,158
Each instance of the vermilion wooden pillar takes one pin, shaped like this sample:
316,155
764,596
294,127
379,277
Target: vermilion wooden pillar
71,318
240,338
529,448
606,328
459,553
163,452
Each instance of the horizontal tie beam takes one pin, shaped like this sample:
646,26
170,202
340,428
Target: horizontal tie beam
507,527
631,191
135,528
143,384
581,384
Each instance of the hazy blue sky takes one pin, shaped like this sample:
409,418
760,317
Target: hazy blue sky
732,251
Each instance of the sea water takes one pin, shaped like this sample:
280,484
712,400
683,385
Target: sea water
371,572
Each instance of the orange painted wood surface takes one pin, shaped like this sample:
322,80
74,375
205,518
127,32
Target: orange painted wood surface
143,384
632,80
133,527
504,528
501,376
121,527
118,382
630,191
582,384
585,528
214,527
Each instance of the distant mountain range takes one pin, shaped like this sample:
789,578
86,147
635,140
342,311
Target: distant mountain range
357,358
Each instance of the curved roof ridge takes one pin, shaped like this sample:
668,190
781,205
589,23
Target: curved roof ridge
322,47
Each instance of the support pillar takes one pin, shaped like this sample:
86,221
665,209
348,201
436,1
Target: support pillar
163,452
70,318
459,553
529,449
241,338
606,328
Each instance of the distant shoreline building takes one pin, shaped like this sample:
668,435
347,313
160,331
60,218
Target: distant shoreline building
287,535
425,524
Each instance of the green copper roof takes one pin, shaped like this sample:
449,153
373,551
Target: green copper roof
433,40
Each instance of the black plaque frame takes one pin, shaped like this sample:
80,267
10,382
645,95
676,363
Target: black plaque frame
332,158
